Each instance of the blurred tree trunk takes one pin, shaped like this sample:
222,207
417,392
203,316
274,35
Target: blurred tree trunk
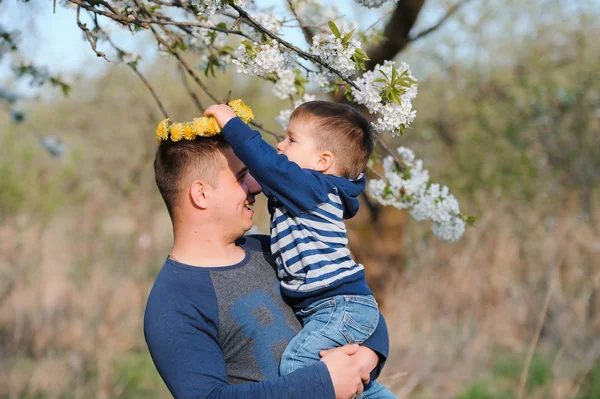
376,233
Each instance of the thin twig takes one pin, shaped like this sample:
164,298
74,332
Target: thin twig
89,36
261,127
442,20
135,70
538,330
185,66
190,91
305,30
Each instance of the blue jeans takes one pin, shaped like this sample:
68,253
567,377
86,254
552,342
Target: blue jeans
330,323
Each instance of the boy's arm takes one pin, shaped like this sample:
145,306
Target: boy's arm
298,189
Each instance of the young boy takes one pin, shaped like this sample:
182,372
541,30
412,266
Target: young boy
312,182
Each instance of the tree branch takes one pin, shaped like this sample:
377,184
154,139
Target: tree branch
89,36
396,33
452,10
303,54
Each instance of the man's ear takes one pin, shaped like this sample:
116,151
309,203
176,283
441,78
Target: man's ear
200,193
325,162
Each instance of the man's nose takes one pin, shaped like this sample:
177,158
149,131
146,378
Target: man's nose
253,186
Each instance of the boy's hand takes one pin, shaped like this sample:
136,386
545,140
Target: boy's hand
222,113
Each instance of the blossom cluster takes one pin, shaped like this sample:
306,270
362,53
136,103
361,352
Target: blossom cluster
337,53
410,189
389,91
208,8
372,3
262,59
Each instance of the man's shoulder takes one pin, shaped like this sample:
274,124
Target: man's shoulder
179,287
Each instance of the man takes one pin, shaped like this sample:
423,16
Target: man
215,323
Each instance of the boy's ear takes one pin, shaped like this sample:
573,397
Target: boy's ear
200,193
325,162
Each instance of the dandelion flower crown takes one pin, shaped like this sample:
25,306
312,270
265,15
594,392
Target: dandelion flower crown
205,126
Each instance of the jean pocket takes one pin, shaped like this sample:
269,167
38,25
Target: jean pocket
361,317
315,307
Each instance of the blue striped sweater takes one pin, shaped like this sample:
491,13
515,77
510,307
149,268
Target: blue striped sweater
308,234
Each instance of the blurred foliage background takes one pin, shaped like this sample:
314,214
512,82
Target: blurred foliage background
508,118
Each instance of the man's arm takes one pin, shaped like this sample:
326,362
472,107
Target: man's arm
185,348
379,342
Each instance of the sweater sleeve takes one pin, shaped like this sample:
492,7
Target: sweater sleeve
185,348
298,189
379,342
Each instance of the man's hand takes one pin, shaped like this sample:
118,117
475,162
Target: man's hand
222,113
344,370
366,358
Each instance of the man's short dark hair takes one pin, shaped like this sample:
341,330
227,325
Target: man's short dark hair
343,130
178,164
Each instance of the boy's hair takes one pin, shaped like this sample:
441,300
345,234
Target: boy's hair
344,131
177,164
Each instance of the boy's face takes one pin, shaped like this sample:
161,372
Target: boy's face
300,144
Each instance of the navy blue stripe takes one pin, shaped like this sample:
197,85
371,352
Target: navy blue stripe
308,239
298,227
323,263
327,214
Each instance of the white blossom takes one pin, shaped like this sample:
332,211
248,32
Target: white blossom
284,87
269,21
450,231
208,8
321,80
267,58
370,93
207,36
336,54
372,3
408,189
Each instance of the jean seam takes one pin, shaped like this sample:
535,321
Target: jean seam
313,334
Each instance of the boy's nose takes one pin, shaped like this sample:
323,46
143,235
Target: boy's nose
279,147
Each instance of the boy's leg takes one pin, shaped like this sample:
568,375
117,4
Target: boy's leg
377,391
330,323
318,320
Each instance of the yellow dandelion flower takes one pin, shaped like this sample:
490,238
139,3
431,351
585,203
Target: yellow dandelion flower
162,130
206,126
176,131
242,110
188,132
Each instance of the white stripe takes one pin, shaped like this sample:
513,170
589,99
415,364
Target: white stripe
309,260
334,198
295,234
330,268
327,207
305,246
338,226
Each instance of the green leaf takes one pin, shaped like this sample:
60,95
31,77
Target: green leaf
471,220
348,36
222,25
334,29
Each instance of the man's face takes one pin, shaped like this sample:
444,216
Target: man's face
234,195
